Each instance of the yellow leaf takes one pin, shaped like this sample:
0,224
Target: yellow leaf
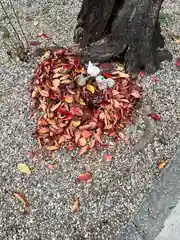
23,168
81,101
120,67
34,93
90,88
176,38
69,99
162,164
75,123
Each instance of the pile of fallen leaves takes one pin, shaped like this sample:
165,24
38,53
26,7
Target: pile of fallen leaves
78,104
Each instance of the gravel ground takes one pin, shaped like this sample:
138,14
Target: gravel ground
118,187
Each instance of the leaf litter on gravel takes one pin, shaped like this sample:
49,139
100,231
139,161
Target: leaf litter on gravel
73,111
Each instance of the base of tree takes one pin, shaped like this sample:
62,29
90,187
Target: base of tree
109,29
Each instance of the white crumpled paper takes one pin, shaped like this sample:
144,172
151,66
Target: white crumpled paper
104,83
92,70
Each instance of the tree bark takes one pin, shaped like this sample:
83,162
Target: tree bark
110,29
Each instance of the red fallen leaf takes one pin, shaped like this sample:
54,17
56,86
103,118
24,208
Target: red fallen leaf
76,62
77,136
135,94
178,63
111,134
141,74
82,150
43,35
21,197
154,78
72,157
97,138
69,117
107,75
156,117
31,115
84,177
76,111
68,137
108,157
50,166
71,148
31,154
86,133
35,43
106,66
59,51
61,139
106,145
67,66
54,97
123,138
92,143
63,111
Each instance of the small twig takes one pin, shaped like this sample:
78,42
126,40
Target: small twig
17,35
19,22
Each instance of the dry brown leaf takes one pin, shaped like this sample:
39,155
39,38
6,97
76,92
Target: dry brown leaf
86,134
56,83
67,81
55,107
61,140
44,93
135,94
92,143
123,138
77,136
56,70
34,93
97,138
65,77
52,148
82,142
75,205
42,121
123,75
43,130
57,75
83,150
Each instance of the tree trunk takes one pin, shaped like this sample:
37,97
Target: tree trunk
110,29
